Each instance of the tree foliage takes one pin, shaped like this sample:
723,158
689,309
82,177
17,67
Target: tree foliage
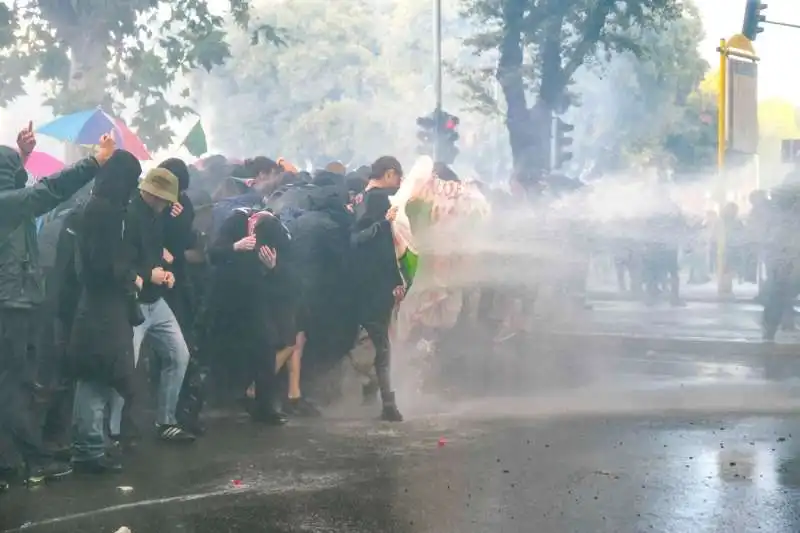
540,45
349,86
646,108
119,54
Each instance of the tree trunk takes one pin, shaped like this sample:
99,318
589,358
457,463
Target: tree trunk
509,75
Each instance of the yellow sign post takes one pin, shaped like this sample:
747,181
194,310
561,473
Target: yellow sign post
737,127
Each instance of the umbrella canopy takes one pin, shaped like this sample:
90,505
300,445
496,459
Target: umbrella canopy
40,164
86,127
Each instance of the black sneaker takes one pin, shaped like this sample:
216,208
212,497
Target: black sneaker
174,433
272,417
301,407
48,472
3,486
102,465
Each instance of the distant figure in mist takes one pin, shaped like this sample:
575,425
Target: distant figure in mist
782,256
660,255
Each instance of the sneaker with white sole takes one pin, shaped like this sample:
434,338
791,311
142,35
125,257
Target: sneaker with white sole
174,433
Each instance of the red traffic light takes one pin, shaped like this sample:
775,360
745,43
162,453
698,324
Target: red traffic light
450,124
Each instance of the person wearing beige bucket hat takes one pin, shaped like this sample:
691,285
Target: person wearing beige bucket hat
161,184
144,231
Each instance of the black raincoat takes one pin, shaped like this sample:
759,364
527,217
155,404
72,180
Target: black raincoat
101,344
319,261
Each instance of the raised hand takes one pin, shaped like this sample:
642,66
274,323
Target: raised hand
106,148
26,141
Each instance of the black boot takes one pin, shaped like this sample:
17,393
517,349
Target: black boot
390,411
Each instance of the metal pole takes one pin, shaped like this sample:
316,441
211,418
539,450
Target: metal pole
723,287
784,24
437,67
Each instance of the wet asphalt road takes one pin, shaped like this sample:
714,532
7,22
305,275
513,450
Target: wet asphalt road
641,442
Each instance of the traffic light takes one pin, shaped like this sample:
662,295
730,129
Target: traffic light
562,141
753,19
448,136
426,134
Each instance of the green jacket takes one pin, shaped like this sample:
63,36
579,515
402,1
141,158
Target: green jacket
21,279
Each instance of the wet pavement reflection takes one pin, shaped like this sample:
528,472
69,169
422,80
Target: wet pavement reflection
715,451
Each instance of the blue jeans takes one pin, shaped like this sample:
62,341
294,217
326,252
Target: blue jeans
88,415
162,327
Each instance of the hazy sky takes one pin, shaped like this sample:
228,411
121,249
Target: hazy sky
778,72
779,75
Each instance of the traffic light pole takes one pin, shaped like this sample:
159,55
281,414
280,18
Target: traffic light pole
437,67
784,24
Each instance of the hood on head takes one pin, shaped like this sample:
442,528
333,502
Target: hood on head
118,177
268,230
12,173
179,168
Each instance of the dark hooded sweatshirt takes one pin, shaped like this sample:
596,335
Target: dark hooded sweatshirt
374,260
21,280
102,336
245,295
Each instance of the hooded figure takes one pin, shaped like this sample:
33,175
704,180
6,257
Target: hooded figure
252,312
22,292
179,236
101,344
319,262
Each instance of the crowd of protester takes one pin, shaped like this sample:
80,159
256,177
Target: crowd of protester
227,269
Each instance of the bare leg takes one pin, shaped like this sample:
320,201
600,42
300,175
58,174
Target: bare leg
295,366
282,356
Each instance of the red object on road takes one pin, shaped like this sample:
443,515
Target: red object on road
442,442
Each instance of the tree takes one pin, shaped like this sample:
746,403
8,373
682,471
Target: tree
540,45
137,48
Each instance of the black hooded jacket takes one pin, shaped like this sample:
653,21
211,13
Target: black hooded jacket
374,260
101,340
21,279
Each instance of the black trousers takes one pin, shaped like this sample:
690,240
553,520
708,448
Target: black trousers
779,293
19,419
376,319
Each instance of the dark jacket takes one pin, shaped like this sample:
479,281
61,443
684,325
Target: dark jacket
320,243
180,236
144,231
320,261
101,344
374,260
21,279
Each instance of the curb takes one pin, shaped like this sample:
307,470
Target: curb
710,347
602,296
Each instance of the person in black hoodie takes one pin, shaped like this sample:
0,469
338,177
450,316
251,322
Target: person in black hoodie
378,284
252,297
22,291
179,237
101,344
319,261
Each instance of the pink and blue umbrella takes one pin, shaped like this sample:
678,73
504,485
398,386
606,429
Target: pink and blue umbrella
86,127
